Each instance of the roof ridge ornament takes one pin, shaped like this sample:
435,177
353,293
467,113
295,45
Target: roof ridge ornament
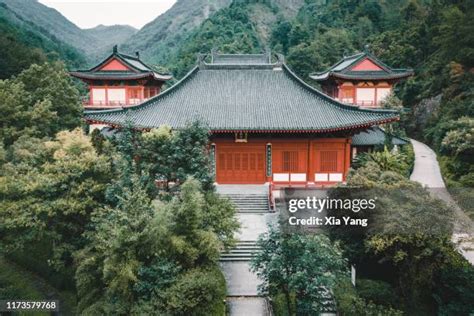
213,54
115,49
200,60
366,48
268,52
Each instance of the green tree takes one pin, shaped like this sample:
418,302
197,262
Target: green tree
195,226
49,191
146,256
119,246
304,268
39,102
408,236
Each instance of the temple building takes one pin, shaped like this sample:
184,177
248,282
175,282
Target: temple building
360,79
267,124
120,81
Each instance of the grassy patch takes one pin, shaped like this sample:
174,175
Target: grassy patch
18,283
464,197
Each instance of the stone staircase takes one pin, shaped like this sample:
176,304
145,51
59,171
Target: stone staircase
243,251
249,203
253,213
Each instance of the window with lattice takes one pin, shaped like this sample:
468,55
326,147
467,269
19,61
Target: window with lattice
290,161
328,161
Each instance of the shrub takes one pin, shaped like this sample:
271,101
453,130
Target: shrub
349,303
200,291
454,292
387,161
377,291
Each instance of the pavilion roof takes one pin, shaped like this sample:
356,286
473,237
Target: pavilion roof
245,96
137,69
375,136
344,69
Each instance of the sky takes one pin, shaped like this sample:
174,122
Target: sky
90,13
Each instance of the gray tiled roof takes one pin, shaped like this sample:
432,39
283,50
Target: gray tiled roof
375,136
342,69
240,59
138,69
261,98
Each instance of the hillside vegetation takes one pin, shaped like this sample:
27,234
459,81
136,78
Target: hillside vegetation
158,40
52,26
22,44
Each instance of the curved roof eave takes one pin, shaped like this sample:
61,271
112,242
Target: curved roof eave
387,115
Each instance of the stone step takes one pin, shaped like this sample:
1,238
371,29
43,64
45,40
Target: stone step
243,194
225,259
246,203
251,208
249,203
247,198
246,244
242,250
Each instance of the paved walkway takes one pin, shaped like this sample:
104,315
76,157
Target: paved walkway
248,306
242,189
427,172
242,284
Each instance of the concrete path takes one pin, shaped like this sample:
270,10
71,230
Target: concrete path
242,284
254,306
253,225
427,172
240,281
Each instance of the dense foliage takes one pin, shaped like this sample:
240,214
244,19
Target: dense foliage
131,223
407,243
39,102
230,30
23,44
303,268
145,255
49,190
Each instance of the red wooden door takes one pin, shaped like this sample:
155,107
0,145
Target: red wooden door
240,163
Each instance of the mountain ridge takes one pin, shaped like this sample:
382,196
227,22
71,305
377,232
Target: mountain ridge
93,43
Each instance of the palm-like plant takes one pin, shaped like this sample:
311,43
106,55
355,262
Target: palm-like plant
387,160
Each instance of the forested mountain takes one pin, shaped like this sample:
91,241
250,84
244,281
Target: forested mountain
108,36
242,27
23,44
191,26
49,22
53,26
158,40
